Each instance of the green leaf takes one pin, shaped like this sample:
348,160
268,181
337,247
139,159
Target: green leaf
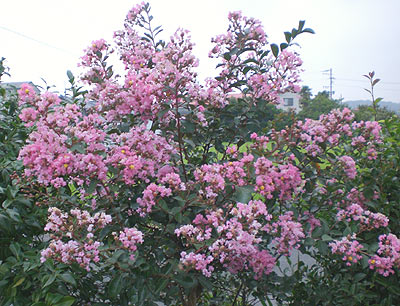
359,276
243,194
375,82
275,50
301,25
205,282
116,285
247,69
5,223
53,298
187,281
326,237
317,232
92,186
70,76
50,280
175,210
11,192
19,282
117,254
250,60
7,203
394,289
14,215
15,249
24,201
66,301
283,46
227,56
308,30
309,241
162,284
264,54
288,37
234,51
364,262
322,247
78,147
68,278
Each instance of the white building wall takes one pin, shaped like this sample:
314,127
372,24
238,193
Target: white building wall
290,101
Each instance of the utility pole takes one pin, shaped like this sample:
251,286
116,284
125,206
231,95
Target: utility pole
331,78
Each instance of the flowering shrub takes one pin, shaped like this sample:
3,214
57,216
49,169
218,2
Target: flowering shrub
164,186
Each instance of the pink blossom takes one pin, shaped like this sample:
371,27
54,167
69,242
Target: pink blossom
349,166
129,238
349,247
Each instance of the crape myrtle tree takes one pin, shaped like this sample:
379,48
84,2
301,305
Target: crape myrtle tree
162,189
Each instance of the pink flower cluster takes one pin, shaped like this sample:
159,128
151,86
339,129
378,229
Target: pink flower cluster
356,196
285,179
367,219
247,34
236,245
389,255
139,154
69,146
93,57
260,143
35,107
155,80
65,145
283,76
78,227
150,196
73,251
327,130
288,233
311,220
349,166
27,95
349,247
214,177
199,262
66,223
129,238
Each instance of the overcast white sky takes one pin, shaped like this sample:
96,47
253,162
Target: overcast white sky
45,38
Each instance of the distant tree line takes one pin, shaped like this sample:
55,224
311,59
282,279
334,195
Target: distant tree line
314,107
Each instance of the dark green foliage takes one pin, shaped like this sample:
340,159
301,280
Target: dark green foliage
23,280
317,106
367,113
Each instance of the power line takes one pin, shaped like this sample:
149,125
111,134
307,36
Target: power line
381,82
37,41
352,80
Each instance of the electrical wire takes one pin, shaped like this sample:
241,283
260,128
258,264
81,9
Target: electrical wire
38,41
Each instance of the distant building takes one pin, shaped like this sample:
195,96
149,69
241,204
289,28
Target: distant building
290,101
